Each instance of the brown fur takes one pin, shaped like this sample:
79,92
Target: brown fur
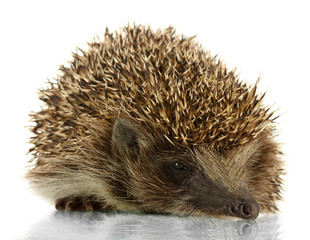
132,105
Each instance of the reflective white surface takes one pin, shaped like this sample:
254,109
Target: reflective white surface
66,226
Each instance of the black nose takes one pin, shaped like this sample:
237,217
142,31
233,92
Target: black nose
244,209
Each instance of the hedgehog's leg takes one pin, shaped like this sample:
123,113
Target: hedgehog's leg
81,204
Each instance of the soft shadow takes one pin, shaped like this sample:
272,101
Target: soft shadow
75,225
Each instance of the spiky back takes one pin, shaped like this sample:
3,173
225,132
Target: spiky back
159,78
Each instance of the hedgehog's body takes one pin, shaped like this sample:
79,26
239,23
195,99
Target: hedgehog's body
148,121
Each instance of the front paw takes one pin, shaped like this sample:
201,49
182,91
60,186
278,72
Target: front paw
75,204
81,204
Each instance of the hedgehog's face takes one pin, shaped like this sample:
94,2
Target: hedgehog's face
191,181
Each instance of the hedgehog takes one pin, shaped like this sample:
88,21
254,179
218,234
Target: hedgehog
148,121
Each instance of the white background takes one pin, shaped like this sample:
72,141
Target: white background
267,38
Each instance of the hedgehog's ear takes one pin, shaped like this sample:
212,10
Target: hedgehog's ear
127,139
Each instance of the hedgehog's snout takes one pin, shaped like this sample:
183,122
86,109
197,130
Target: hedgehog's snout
246,209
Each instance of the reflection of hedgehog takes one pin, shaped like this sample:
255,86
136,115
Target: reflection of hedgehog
149,121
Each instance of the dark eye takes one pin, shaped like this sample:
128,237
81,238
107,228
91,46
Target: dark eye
179,166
